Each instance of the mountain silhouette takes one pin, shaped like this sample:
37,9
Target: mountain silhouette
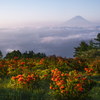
77,21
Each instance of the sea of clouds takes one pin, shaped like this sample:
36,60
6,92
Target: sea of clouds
56,40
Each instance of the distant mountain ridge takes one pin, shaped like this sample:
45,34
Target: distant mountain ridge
77,21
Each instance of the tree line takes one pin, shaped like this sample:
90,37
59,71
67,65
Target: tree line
91,50
84,50
17,53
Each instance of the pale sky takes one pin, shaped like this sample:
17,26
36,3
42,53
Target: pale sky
21,13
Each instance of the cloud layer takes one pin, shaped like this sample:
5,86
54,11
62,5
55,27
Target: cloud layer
49,40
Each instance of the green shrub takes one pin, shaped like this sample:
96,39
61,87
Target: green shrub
94,53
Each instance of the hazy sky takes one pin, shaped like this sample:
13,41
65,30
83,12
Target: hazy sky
19,13
18,19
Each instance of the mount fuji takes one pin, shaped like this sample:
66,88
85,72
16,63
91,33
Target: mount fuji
77,21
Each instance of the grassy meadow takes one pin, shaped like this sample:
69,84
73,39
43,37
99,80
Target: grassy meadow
50,78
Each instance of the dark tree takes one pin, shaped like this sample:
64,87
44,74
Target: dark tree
13,54
98,41
91,45
40,55
1,55
83,46
28,55
25,55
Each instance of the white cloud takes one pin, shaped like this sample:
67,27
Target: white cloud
12,46
9,50
58,39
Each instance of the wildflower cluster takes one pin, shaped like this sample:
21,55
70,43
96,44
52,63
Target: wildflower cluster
45,77
3,68
26,79
70,84
66,81
41,61
89,71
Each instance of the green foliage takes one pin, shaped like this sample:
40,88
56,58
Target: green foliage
91,45
93,53
83,46
98,40
1,55
88,50
13,54
25,55
40,55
